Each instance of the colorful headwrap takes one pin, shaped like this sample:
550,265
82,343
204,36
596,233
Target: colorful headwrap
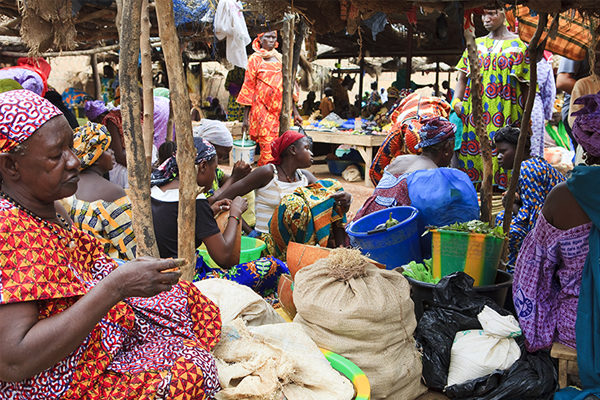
169,170
165,173
22,112
204,150
262,52
284,141
393,93
435,130
586,128
9,84
90,141
94,108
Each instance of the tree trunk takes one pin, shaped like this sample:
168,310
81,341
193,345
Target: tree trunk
186,151
287,40
534,50
480,129
146,50
97,83
138,174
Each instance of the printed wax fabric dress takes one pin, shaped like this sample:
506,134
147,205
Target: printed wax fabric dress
143,348
504,65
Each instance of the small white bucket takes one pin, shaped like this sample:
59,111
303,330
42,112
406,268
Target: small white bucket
243,150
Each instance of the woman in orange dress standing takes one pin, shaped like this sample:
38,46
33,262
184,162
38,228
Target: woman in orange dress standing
262,94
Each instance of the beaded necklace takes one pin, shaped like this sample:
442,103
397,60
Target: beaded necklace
51,226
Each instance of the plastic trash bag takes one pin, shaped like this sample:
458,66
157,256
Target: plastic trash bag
455,308
443,196
477,353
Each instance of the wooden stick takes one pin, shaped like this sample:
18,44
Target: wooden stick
138,174
287,40
96,75
104,49
146,50
477,115
186,220
534,51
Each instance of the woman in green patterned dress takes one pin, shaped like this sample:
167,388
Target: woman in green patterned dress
504,64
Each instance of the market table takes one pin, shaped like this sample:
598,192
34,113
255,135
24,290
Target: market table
363,143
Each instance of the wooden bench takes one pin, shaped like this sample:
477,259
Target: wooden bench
567,362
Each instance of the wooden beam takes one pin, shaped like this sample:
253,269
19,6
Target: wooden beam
103,13
138,174
155,42
480,129
96,75
146,53
534,50
186,152
287,48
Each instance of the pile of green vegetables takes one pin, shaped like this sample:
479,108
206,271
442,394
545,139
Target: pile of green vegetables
476,226
420,271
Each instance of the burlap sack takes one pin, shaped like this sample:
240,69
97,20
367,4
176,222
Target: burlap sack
365,314
274,362
238,301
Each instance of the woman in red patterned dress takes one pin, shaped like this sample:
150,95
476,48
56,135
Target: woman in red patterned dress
72,324
262,95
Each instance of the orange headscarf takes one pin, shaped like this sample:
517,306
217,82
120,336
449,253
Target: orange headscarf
262,52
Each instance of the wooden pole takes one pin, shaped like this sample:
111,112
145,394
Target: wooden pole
534,50
89,52
97,83
302,29
287,48
437,78
138,174
361,81
480,129
409,56
186,152
146,50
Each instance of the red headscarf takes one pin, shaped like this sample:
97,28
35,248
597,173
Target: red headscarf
284,141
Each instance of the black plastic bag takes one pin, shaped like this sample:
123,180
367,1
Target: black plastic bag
455,308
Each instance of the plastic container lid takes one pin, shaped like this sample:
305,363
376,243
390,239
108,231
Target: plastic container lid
244,143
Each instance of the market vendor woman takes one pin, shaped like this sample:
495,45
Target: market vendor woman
72,323
262,94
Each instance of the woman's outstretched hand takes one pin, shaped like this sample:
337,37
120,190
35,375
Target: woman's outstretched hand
144,277
342,200
220,206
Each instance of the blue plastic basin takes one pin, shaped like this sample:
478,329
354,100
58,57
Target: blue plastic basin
393,247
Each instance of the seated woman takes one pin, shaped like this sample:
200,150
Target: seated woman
536,180
100,207
220,246
555,269
284,176
72,323
442,195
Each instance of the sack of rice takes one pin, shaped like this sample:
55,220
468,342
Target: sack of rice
349,306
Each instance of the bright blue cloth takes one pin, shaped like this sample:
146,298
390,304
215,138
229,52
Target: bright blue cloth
456,120
583,184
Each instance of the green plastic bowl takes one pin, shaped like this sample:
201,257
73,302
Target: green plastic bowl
251,249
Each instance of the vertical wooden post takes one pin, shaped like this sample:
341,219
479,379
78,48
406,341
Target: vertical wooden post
437,78
138,174
534,50
186,152
480,129
409,56
287,41
96,75
361,81
146,48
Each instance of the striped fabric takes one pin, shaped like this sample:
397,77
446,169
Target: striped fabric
571,40
110,222
269,197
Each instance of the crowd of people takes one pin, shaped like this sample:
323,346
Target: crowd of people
69,250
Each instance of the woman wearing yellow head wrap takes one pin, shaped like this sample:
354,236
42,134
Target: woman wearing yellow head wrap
99,206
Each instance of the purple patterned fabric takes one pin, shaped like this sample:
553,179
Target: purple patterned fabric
161,118
546,283
586,128
542,107
27,78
